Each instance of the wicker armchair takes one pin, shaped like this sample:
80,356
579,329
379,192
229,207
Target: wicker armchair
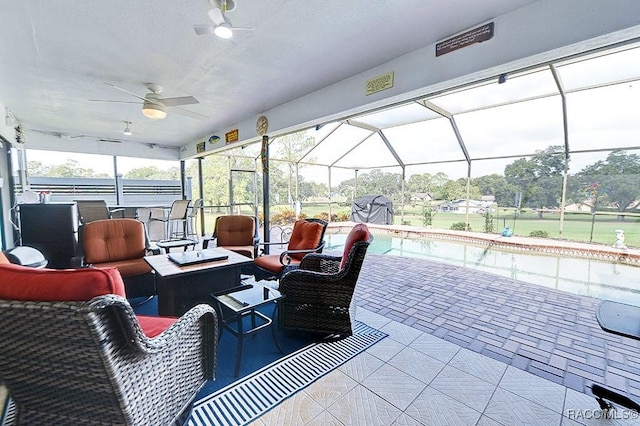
95,362
319,295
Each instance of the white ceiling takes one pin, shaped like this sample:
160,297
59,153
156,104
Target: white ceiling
56,55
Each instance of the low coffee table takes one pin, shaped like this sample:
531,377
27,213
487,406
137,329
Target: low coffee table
235,304
182,287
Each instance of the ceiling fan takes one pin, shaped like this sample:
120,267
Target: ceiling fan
222,26
57,134
155,106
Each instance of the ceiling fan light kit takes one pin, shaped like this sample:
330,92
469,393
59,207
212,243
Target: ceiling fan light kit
223,31
222,26
154,111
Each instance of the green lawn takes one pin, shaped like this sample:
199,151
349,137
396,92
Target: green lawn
577,227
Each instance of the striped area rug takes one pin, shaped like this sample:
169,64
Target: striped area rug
248,399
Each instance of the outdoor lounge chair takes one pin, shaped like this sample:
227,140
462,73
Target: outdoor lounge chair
90,210
319,294
306,237
238,233
122,244
72,351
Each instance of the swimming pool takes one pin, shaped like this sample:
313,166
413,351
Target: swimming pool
590,277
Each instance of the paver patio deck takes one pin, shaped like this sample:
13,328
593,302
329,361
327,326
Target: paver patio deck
546,332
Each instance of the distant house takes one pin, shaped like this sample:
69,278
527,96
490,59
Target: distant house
578,207
421,196
460,206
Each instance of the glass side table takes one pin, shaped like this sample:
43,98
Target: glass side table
237,303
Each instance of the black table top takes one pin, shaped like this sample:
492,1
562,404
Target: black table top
619,318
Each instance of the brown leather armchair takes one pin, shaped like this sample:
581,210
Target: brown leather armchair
119,243
237,233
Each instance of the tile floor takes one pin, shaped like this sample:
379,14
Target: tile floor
414,378
470,348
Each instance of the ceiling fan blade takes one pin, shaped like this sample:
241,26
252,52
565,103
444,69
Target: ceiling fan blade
217,16
238,28
119,102
188,113
204,29
125,91
48,133
182,100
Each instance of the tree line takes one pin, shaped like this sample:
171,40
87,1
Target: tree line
535,182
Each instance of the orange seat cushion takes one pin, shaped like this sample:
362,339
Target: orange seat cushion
271,262
127,268
113,240
152,326
305,236
243,250
360,232
19,282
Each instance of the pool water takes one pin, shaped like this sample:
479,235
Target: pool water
589,277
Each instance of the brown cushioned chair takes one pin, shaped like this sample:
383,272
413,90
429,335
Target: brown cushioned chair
306,237
72,351
319,294
122,244
237,233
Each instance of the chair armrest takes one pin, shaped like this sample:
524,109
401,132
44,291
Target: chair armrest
177,362
260,251
154,250
118,210
287,254
196,328
321,263
301,283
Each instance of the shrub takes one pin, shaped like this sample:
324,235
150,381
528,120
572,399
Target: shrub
489,226
539,233
427,215
284,217
343,217
322,215
460,226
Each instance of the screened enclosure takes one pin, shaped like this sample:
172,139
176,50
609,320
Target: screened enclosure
549,151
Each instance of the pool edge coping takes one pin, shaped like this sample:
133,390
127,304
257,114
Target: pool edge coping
536,244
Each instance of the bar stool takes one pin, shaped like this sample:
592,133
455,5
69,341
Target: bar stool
192,217
177,215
